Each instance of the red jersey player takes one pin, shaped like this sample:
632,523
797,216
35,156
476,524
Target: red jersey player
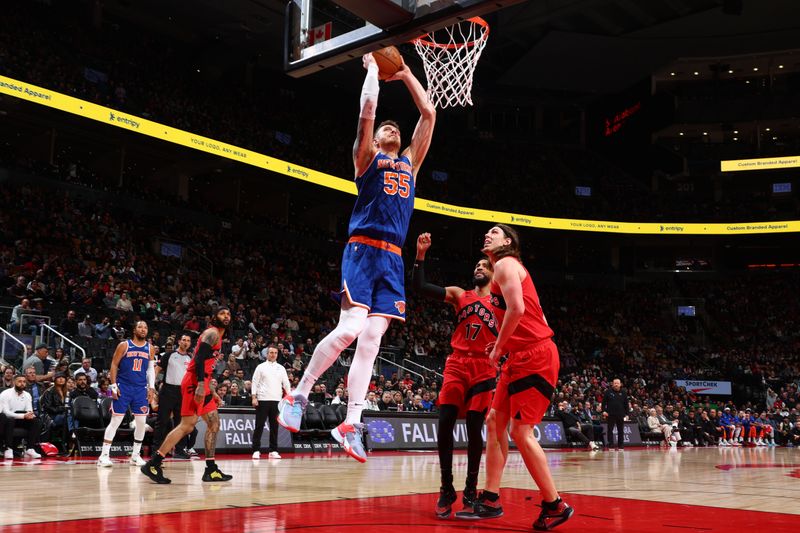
527,380
199,401
469,376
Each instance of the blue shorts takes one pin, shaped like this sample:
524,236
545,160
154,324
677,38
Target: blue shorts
372,278
131,397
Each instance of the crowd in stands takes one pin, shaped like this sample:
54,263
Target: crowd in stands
87,63
53,266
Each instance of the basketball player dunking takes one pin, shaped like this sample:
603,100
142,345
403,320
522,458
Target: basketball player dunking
199,401
527,381
133,379
372,265
469,376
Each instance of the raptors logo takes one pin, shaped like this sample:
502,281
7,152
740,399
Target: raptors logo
401,307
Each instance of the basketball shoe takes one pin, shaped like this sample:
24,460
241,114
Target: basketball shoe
137,460
155,472
214,474
290,411
553,515
482,507
447,497
350,437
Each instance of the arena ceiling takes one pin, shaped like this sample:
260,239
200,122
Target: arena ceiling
572,46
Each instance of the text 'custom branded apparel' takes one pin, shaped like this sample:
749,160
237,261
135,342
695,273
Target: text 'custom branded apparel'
385,200
476,325
532,326
133,366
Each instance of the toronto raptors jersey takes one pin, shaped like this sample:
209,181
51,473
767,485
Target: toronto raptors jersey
210,362
532,326
476,326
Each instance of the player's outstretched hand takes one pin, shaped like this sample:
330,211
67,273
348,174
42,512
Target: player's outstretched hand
368,60
423,243
402,73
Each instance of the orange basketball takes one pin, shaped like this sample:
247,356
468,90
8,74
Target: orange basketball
389,61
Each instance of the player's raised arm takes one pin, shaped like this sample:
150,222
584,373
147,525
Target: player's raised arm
421,139
421,286
364,148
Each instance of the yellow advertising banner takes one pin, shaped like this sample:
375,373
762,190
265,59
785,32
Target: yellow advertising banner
187,139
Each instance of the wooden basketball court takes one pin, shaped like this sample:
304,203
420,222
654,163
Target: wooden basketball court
639,490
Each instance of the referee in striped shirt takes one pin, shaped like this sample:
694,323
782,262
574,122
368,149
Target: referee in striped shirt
169,399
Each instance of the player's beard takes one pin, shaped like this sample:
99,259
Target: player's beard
480,282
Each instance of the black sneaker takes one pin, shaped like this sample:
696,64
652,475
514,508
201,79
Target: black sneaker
468,498
548,519
481,508
155,473
180,454
444,506
215,474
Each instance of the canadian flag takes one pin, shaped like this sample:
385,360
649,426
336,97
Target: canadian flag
319,34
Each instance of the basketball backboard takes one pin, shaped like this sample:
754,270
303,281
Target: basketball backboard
323,33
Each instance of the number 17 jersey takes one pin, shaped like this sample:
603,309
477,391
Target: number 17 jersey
475,325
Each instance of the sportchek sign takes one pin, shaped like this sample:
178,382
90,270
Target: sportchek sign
722,388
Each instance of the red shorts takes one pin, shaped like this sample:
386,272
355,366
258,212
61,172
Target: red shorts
188,406
468,383
527,381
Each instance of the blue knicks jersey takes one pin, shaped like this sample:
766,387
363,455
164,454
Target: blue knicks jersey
133,366
385,200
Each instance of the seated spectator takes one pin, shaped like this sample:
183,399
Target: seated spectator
40,363
371,404
69,326
386,403
82,388
324,390
416,404
707,433
794,435
236,396
8,379
36,390
86,328
223,393
339,397
572,425
54,406
316,395
18,322
427,404
16,410
397,398
103,389
232,365
103,330
86,368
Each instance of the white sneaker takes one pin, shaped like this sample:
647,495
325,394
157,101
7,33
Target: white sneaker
30,452
137,460
760,442
673,443
256,455
274,455
9,454
192,452
104,461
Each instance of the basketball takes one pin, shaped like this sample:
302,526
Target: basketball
389,61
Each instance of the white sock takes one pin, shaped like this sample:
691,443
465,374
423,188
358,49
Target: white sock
138,434
351,322
111,430
369,343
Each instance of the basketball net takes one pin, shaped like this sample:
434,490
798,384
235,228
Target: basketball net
450,59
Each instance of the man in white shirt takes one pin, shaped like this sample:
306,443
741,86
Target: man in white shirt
371,404
270,381
16,410
86,368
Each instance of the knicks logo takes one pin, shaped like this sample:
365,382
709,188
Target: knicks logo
401,307
144,409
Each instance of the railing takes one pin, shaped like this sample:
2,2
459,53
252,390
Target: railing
7,334
22,319
406,360
398,365
64,338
